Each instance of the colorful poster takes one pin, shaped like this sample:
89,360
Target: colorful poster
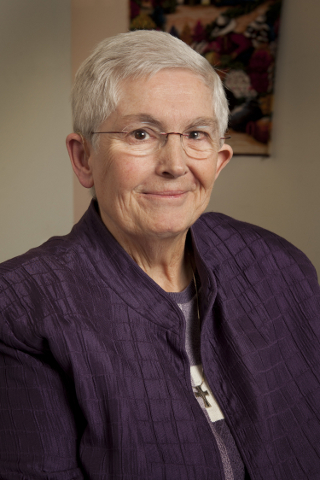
238,38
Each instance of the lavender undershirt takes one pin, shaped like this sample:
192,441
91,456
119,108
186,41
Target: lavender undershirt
230,457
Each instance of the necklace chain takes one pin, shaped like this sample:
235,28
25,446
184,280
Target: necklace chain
198,313
199,392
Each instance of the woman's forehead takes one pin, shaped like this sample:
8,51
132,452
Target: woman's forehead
172,80
173,94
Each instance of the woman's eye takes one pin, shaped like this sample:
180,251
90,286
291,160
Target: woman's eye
140,134
197,135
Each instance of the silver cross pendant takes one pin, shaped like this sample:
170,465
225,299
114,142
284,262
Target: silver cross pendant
202,394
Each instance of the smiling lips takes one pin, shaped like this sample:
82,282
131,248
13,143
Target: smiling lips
173,193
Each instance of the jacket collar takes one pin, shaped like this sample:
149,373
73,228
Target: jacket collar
118,270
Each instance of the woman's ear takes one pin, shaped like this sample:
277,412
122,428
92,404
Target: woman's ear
224,156
79,153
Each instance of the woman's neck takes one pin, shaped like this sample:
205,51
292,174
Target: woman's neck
164,257
166,260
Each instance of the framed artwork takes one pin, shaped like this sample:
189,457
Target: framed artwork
239,38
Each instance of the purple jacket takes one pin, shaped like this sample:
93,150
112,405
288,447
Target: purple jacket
95,380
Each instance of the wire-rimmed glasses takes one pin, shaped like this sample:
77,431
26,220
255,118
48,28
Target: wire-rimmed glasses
142,141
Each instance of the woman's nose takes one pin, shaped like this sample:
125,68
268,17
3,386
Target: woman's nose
172,159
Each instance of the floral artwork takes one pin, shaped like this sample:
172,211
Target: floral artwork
239,38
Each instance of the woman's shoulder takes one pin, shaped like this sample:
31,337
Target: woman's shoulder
249,244
48,291
224,226
29,283
48,259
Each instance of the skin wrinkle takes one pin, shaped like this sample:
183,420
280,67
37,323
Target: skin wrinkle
132,191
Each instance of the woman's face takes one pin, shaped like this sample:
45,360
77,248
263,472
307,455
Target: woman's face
162,193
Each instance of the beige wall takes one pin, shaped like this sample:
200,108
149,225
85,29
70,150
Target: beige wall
92,21
35,176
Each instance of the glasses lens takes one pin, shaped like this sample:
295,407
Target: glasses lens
198,144
141,140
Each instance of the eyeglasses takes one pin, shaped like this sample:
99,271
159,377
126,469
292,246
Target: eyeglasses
143,141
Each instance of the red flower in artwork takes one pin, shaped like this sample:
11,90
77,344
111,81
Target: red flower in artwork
258,70
260,60
198,33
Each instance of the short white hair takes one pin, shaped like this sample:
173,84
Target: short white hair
137,54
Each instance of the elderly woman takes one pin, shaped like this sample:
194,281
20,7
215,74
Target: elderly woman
154,342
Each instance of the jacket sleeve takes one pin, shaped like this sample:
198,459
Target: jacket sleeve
40,421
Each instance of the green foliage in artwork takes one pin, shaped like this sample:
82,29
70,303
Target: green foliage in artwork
227,63
169,6
142,22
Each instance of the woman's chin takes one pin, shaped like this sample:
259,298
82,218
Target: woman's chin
166,228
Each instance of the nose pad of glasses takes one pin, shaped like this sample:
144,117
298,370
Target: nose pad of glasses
165,137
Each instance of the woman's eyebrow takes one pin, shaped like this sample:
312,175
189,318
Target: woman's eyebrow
206,122
143,118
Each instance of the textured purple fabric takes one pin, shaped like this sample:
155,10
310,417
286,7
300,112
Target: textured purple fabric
87,338
187,301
